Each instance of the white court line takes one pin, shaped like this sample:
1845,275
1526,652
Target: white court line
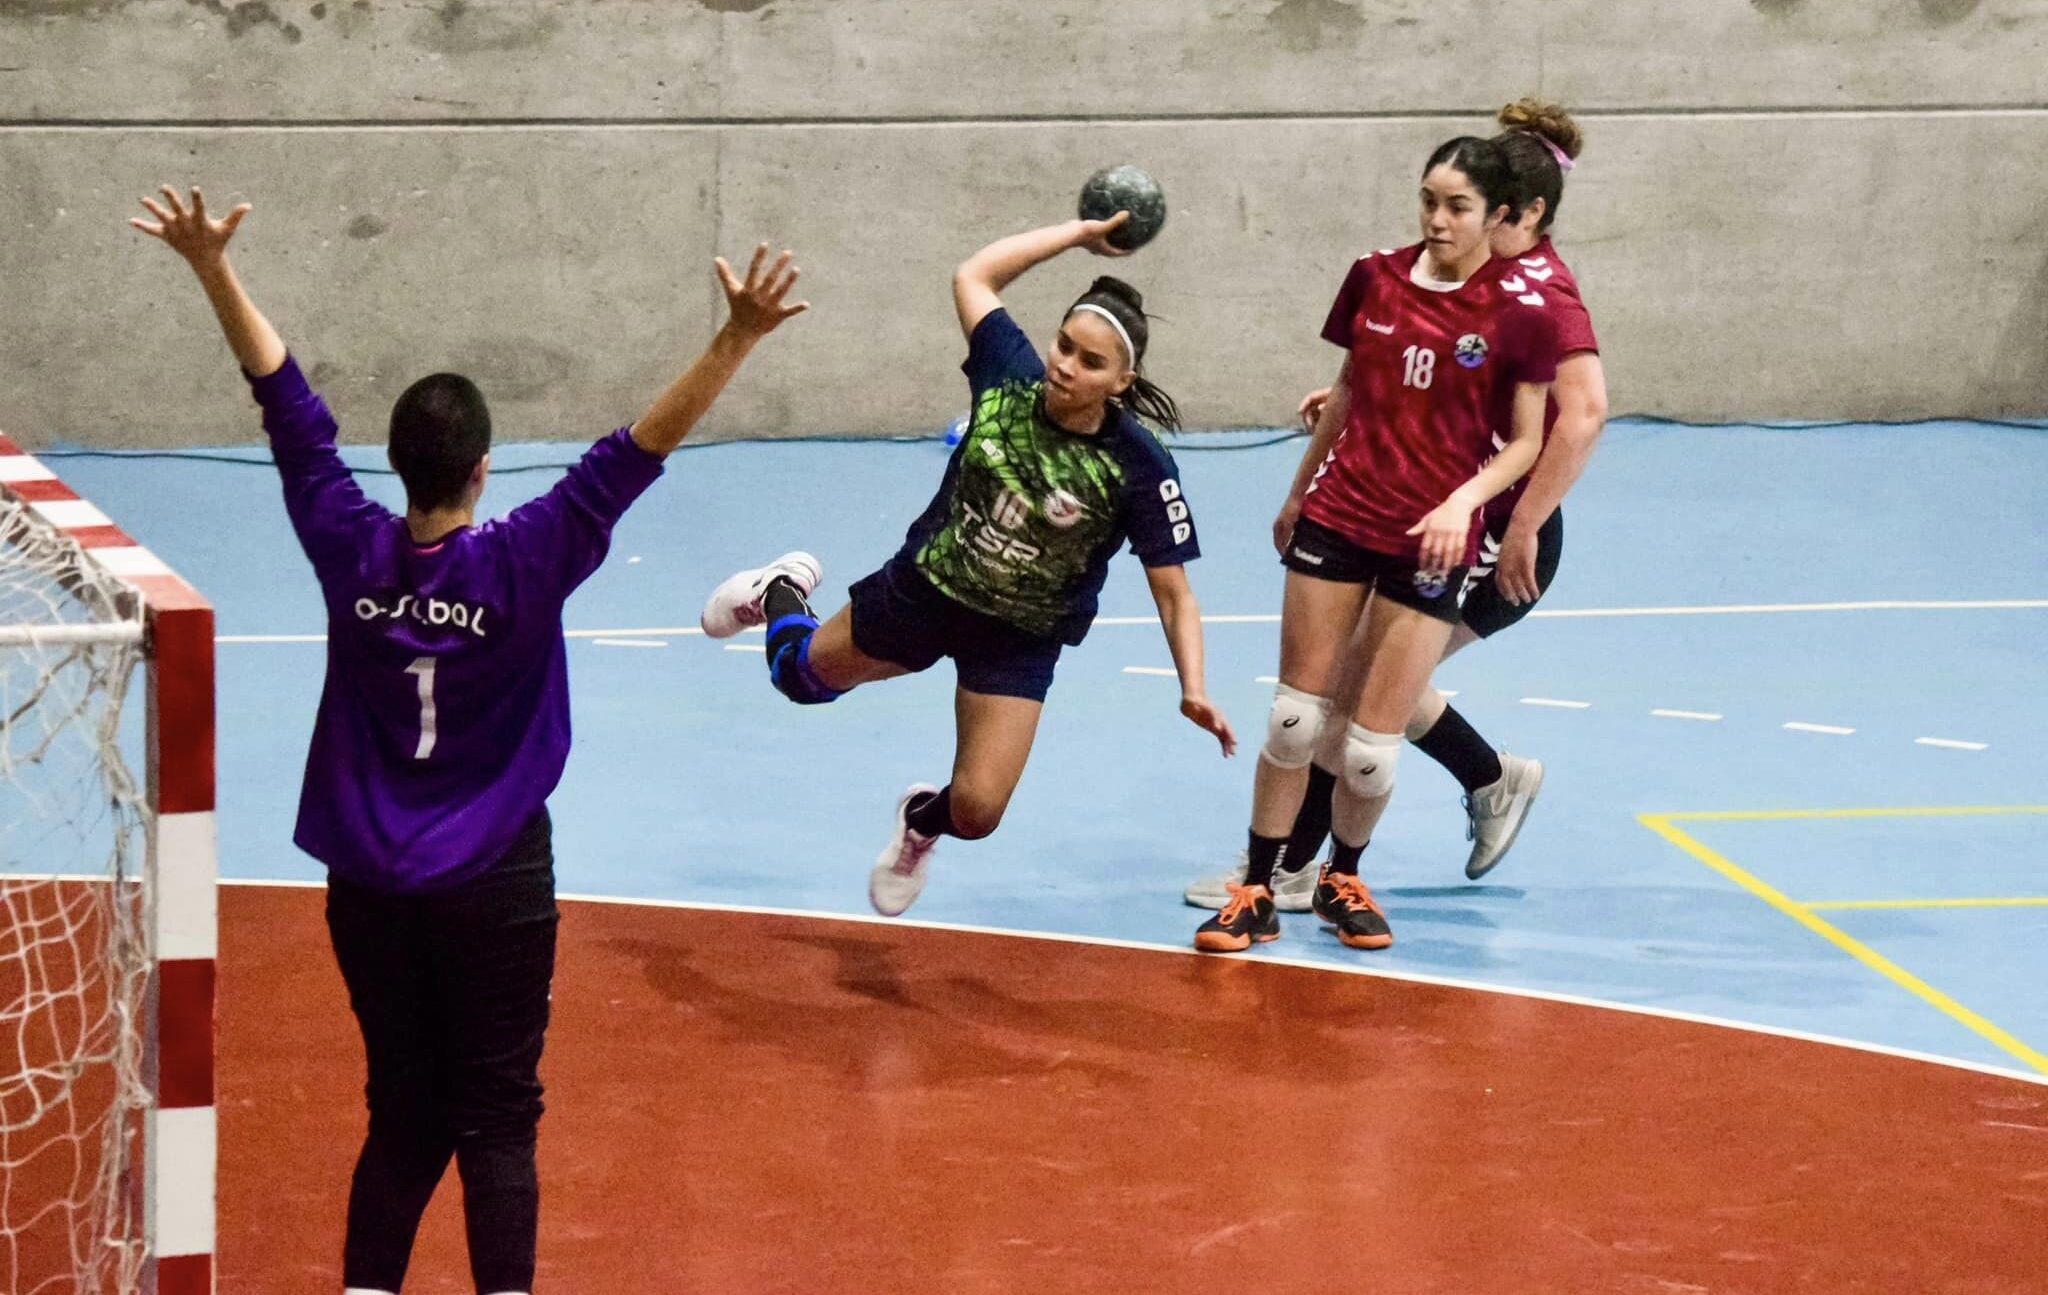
269,638
1556,702
1266,678
1730,609
1768,609
1686,714
1833,730
633,643
1305,964
1735,609
743,647
1951,744
1164,671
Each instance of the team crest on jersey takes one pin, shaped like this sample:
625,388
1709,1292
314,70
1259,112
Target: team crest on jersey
1062,509
1471,350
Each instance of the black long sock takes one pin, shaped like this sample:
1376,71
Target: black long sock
1344,858
930,815
1312,824
1263,854
1457,746
781,600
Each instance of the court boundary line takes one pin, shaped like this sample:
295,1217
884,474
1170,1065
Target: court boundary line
1540,613
1280,960
1663,826
1883,905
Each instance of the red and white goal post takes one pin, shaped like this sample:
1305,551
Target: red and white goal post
108,928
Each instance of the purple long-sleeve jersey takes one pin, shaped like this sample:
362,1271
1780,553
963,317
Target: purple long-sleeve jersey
444,717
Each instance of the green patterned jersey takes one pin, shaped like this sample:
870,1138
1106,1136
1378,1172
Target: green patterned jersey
1029,514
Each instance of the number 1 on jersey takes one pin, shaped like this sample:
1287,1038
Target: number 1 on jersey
1418,367
424,668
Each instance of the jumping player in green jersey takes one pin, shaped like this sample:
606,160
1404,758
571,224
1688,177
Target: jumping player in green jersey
1054,474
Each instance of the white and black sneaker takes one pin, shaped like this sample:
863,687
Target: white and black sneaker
899,871
736,604
1294,889
1496,812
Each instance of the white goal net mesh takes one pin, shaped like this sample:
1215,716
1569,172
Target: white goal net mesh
74,936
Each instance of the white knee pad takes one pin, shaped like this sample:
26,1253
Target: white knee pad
1292,727
1369,762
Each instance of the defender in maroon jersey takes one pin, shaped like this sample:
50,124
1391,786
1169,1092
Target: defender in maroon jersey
1520,547
1446,347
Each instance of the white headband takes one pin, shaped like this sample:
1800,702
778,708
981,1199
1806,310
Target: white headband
1115,323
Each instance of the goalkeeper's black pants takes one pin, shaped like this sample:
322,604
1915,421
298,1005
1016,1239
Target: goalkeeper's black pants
451,992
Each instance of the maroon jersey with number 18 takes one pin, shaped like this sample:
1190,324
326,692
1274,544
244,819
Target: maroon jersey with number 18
1433,374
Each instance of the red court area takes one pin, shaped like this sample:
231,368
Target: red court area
745,1103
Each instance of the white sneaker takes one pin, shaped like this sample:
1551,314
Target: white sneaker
1497,810
1293,888
736,604
899,871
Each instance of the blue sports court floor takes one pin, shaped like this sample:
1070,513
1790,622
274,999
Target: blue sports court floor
1878,875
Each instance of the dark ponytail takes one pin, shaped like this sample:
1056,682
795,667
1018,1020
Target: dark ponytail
1143,398
1535,133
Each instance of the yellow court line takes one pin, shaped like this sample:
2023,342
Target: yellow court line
1910,811
1804,915
2024,901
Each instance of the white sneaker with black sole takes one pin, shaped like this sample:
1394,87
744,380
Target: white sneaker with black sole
736,603
899,872
1497,811
1293,888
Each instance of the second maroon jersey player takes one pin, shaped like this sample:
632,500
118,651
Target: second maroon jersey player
1547,274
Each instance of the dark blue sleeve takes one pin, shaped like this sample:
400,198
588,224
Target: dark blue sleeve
567,531
998,352
1156,513
328,510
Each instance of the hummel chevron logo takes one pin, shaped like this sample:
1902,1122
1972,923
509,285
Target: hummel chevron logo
1379,328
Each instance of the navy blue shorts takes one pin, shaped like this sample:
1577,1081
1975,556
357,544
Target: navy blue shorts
899,617
1318,551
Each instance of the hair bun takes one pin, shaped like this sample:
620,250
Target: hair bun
1108,285
1549,120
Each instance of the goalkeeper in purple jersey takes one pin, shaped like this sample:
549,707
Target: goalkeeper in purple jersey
442,728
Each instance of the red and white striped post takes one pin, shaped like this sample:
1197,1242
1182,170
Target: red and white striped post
179,1140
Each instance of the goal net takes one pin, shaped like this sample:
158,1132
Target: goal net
83,1016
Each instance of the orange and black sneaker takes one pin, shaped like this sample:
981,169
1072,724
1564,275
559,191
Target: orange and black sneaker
1247,915
1343,901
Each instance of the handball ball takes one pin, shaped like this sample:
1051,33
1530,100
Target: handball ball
1125,188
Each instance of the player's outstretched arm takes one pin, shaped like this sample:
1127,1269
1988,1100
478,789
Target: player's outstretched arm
203,242
755,309
1181,617
979,282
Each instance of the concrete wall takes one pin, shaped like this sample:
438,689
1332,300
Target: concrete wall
1787,209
